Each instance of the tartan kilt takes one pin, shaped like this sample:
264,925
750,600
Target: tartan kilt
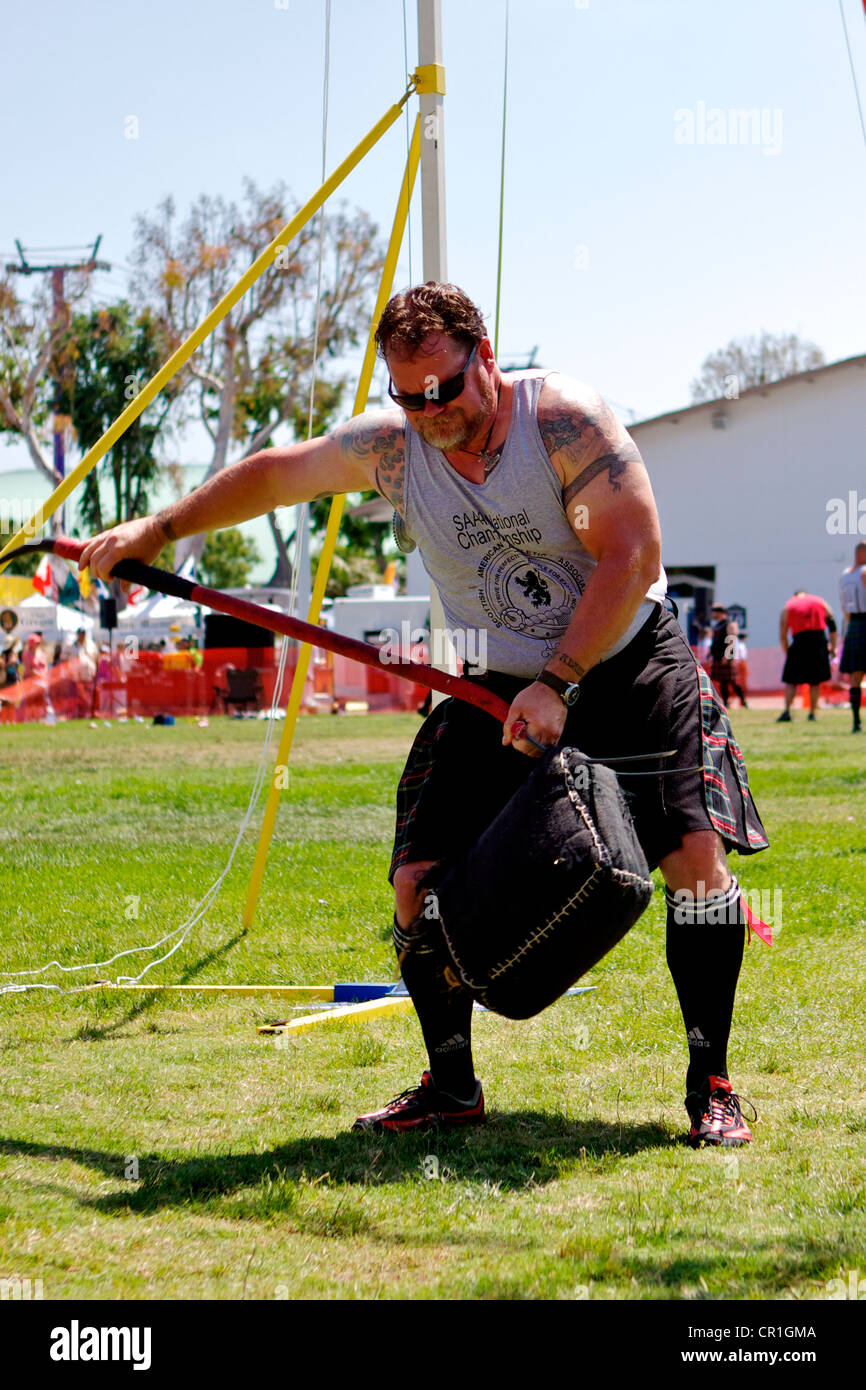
854,649
652,696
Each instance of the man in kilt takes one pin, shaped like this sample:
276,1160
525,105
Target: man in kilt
852,591
808,619
723,654
535,518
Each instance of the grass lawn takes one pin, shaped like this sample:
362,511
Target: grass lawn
157,1149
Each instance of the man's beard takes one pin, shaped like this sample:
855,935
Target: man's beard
454,431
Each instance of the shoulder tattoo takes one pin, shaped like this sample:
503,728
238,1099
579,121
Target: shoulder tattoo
380,445
570,430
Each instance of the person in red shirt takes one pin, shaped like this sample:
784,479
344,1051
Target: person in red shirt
808,618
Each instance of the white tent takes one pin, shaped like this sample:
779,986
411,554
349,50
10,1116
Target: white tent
155,616
54,620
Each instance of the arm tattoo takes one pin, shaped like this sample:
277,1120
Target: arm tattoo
163,520
384,444
614,463
572,665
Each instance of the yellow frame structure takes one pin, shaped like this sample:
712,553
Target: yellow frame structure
334,518
427,78
418,81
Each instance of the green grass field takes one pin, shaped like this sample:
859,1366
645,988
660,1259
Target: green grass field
249,1183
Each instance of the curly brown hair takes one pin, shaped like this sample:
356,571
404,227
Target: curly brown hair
415,314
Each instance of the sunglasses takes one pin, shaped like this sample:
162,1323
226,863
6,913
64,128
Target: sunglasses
445,391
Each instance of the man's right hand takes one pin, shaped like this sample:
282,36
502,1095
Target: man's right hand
142,539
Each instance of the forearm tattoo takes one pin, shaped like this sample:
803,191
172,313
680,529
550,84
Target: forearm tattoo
570,662
163,520
383,445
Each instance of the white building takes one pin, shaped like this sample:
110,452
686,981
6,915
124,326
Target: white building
764,494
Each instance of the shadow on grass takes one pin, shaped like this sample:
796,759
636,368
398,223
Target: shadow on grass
515,1151
319,1187
99,1032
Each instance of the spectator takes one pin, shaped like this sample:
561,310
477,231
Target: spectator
808,618
852,591
83,657
34,666
723,654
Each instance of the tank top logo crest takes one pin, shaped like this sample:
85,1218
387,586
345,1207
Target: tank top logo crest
532,595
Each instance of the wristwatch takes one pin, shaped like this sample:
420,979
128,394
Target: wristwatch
567,691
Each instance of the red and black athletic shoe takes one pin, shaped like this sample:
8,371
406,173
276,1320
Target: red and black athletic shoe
423,1107
716,1117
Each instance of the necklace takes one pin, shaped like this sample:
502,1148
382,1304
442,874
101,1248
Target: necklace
489,460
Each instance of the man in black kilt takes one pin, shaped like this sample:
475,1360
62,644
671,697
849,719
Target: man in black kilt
535,518
806,619
852,591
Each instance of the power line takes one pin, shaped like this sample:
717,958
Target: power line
853,71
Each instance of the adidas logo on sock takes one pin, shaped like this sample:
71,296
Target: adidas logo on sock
452,1044
696,1038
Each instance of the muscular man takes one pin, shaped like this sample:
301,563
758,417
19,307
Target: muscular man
534,516
852,591
808,619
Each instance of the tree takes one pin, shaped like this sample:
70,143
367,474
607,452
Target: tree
34,352
227,558
113,353
753,361
252,375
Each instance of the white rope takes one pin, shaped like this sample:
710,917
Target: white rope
205,902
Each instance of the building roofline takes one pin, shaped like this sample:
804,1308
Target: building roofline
763,390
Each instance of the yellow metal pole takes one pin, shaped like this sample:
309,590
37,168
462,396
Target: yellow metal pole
207,325
352,1013
333,527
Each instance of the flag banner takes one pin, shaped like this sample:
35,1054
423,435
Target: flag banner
54,580
43,580
187,569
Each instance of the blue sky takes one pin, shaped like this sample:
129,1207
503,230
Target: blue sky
628,255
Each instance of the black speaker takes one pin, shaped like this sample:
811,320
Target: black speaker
108,613
223,631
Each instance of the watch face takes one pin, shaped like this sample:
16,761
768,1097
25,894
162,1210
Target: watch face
571,693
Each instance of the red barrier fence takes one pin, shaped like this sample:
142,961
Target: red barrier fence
229,680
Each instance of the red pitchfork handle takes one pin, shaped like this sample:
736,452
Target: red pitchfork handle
165,583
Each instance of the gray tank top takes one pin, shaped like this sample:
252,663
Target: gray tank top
502,554
852,591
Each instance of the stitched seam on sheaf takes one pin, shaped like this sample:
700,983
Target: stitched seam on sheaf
626,876
621,876
583,892
600,848
588,886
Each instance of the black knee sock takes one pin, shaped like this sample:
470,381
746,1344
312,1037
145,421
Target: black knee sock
854,697
446,1022
704,954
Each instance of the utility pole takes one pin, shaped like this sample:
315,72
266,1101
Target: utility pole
432,145
434,246
57,270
